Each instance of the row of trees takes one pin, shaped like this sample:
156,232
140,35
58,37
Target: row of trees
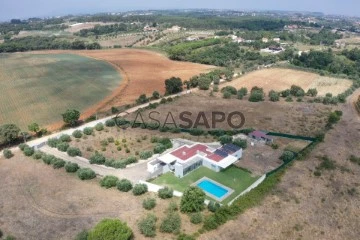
41,43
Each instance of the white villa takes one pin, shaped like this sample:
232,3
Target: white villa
189,157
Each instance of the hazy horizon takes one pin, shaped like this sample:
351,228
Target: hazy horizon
41,8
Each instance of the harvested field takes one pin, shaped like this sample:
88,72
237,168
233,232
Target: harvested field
122,40
299,118
73,28
280,79
38,88
38,202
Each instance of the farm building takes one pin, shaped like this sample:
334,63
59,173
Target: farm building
189,157
261,136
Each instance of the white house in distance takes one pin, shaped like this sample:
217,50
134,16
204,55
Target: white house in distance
189,157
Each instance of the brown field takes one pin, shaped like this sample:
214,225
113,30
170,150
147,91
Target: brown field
86,25
280,79
38,202
122,40
303,206
299,118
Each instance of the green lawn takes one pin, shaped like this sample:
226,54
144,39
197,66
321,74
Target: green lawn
39,87
233,177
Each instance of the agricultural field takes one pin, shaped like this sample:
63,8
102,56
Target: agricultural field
280,79
298,118
120,40
39,87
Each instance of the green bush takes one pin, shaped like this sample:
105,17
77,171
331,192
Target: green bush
184,236
48,159
172,206
139,189
74,151
77,134
124,185
226,95
97,158
86,174
171,223
165,193
130,160
229,89
22,146
110,123
63,146
240,143
88,131
53,142
99,127
159,148
287,156
213,206
196,131
58,163
118,164
196,218
312,92
274,96
65,138
28,151
285,93
110,229
289,99
7,153
145,154
109,181
147,226
225,139
71,167
192,200
37,155
149,203
83,235
256,96
110,140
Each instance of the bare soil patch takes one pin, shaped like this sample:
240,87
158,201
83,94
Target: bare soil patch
38,202
280,79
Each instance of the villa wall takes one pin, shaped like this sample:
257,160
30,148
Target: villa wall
211,166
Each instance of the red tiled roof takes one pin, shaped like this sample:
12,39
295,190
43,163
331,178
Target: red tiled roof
185,152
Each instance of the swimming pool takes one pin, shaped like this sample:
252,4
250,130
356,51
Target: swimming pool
213,189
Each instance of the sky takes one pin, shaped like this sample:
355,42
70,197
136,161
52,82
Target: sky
42,8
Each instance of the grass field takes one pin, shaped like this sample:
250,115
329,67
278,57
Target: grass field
39,87
280,79
233,177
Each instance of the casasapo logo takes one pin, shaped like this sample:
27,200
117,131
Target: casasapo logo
185,120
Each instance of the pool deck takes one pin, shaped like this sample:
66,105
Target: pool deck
230,191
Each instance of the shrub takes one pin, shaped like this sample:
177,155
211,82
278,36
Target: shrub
28,151
149,203
109,229
274,146
109,181
83,235
172,207
97,158
289,99
287,156
139,189
196,131
110,139
274,96
63,146
312,92
243,91
159,148
77,134
297,91
184,236
118,164
145,154
110,123
71,167
226,95
124,185
165,193
171,223
130,160
53,142
213,206
48,159
240,143
74,151
86,174
231,90
285,93
225,139
58,163
256,95
7,153
147,226
37,155
192,200
88,131
22,146
196,218
99,127
104,143
65,138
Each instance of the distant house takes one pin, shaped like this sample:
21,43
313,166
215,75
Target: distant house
276,40
174,29
189,157
147,28
190,39
265,40
261,136
272,49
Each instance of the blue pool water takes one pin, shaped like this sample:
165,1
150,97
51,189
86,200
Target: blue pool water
212,188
